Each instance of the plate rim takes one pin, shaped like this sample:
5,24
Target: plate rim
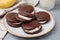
34,35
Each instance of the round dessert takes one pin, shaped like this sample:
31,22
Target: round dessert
32,27
24,16
17,24
42,17
12,21
26,7
11,17
7,3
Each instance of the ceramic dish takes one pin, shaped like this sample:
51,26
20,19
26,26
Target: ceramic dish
19,31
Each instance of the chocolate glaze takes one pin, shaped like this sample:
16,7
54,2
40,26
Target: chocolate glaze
30,25
42,16
12,21
25,14
34,32
11,17
14,24
26,7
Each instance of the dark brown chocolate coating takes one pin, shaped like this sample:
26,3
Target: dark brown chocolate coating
26,7
30,25
42,16
25,14
34,32
12,21
11,17
16,25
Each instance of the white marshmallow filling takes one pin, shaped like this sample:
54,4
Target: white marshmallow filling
33,12
23,17
17,23
34,30
42,21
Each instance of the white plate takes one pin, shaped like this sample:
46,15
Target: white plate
19,31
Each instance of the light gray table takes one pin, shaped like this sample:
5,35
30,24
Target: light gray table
53,35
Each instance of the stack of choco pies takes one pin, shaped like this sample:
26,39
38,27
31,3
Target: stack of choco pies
30,21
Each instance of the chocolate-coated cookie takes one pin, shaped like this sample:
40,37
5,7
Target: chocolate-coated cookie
11,20
42,17
11,17
16,25
26,7
24,16
32,27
